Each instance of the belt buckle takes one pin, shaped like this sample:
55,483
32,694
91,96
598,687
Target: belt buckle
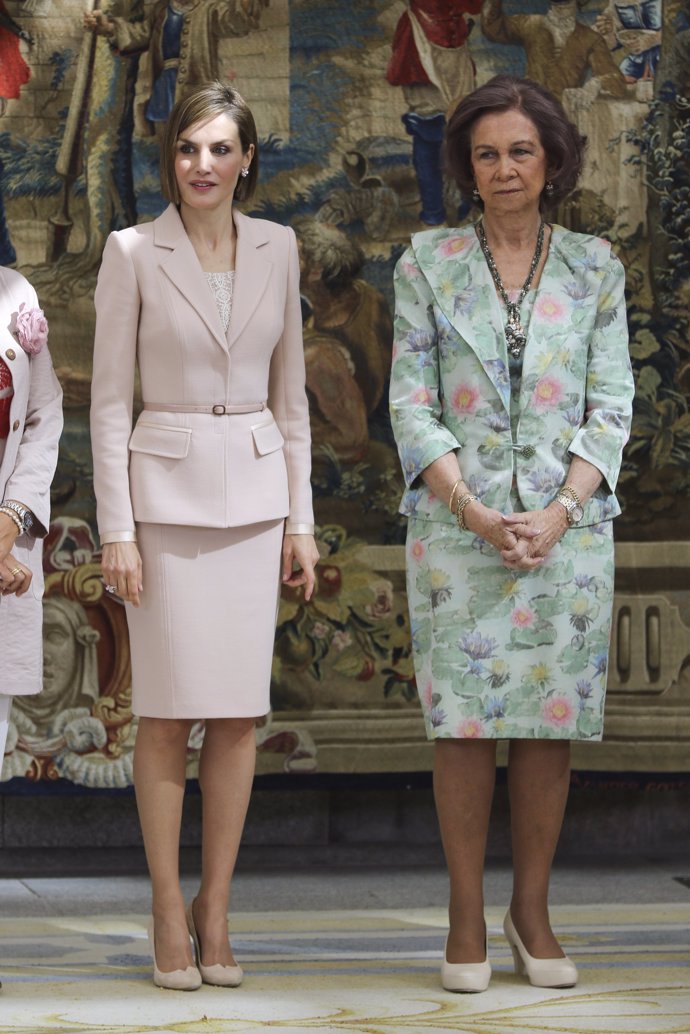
218,410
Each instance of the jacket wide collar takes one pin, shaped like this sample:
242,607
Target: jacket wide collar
183,269
456,271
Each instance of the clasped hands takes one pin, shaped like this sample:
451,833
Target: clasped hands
522,539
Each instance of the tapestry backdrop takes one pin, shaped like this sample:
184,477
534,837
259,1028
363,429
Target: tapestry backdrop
350,100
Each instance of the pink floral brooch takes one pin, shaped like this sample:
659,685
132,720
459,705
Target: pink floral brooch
31,329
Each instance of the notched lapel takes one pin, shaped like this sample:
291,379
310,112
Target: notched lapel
561,290
252,272
456,270
183,269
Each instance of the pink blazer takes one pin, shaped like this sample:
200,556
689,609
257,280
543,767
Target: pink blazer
155,310
26,472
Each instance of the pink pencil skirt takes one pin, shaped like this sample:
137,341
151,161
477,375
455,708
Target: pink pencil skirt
202,639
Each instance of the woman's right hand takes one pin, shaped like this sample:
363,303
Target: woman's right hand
121,566
489,525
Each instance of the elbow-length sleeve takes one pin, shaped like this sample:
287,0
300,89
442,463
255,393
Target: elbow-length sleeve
610,384
287,399
118,303
415,399
37,455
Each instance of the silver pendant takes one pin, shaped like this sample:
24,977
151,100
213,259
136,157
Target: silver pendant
515,339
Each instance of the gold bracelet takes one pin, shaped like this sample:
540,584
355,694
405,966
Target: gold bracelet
567,490
463,501
452,493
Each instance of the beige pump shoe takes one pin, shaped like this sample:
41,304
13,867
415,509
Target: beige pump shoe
466,977
217,974
188,979
539,972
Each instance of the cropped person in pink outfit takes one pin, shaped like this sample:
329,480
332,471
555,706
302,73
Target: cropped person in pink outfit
30,427
199,501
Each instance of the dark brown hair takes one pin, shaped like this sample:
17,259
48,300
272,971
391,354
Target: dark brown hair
204,104
562,141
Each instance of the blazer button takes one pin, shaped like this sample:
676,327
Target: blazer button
15,425
528,451
11,354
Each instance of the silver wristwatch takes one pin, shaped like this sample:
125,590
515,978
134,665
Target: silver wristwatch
23,513
573,509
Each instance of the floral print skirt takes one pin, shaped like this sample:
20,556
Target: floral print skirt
510,654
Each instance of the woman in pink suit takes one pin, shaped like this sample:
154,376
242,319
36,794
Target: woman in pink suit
197,503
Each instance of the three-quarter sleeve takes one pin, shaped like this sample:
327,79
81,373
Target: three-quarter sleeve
37,455
415,400
610,384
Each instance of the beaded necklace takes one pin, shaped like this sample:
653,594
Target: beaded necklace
515,334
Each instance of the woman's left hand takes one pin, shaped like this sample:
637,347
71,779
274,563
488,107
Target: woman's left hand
300,550
15,577
549,525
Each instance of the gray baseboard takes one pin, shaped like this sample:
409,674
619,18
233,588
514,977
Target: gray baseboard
75,833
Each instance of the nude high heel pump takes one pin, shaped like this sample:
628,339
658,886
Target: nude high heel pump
539,972
217,974
188,979
467,977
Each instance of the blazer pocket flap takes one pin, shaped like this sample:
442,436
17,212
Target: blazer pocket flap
161,440
267,438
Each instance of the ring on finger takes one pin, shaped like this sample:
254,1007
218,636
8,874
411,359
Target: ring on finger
16,571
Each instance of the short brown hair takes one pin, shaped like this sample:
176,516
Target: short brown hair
562,141
210,100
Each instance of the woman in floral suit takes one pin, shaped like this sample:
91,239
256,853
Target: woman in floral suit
511,398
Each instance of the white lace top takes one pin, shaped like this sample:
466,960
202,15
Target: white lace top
221,285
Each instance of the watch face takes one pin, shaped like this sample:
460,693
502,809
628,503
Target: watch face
577,513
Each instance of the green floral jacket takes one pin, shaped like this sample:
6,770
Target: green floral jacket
450,386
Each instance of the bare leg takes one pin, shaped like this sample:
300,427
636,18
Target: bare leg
464,778
160,755
226,772
538,782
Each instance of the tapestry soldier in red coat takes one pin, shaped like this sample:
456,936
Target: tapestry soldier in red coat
432,63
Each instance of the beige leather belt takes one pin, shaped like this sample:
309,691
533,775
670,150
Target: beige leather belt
220,409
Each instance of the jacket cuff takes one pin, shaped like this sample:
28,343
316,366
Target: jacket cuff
109,537
295,528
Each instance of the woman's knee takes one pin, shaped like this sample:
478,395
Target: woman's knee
231,729
164,732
